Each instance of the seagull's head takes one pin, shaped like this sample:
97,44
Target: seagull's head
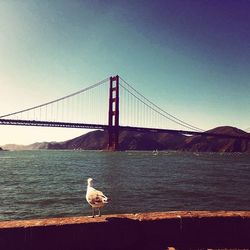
90,181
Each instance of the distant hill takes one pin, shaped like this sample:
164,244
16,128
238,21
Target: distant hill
216,144
98,140
34,146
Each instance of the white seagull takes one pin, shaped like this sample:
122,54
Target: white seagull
95,198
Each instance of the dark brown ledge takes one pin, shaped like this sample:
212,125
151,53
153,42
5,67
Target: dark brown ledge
182,229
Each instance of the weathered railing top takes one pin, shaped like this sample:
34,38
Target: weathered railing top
184,229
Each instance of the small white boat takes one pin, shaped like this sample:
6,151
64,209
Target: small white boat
155,152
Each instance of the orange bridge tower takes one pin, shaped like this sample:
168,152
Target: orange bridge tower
113,115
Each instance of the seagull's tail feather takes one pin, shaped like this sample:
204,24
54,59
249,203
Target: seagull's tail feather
105,199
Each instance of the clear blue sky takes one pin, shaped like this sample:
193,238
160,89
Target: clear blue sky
192,58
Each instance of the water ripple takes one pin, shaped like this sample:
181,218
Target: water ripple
42,184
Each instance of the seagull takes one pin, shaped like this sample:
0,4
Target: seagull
95,198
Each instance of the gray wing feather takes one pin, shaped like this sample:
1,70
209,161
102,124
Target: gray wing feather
96,197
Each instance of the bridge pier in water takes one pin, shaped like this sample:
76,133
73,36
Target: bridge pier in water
113,115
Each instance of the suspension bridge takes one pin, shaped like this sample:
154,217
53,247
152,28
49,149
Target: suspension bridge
111,104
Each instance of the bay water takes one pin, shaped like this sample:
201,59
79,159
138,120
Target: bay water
52,183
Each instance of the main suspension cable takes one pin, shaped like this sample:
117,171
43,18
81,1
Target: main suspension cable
57,100
173,118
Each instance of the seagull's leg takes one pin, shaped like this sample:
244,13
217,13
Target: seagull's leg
99,212
93,212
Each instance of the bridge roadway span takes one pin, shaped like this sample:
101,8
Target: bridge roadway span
159,230
106,127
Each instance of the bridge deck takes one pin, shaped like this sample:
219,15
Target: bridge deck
103,126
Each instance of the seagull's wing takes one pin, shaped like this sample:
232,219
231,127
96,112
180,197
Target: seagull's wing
96,197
